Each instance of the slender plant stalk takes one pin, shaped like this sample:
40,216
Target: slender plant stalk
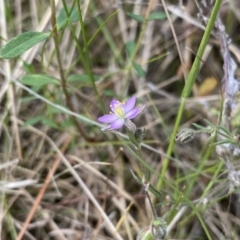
138,45
213,179
83,57
175,37
11,227
188,87
101,28
154,213
107,35
87,59
62,77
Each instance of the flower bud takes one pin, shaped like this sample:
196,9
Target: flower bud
158,228
185,135
140,134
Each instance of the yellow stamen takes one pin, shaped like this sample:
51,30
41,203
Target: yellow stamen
119,111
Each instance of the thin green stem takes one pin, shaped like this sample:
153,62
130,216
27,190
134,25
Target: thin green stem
138,45
87,59
90,41
151,204
108,37
10,225
188,87
203,160
85,62
210,184
145,171
62,76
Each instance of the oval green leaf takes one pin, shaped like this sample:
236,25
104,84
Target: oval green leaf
109,93
20,44
49,123
157,16
136,17
130,47
38,80
82,78
33,121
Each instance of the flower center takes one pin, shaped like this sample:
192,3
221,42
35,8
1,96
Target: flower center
119,111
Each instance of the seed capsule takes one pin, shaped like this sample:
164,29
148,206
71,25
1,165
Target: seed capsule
159,228
185,135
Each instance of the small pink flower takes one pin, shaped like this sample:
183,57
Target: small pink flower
120,113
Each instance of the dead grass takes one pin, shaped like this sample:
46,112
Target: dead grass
57,183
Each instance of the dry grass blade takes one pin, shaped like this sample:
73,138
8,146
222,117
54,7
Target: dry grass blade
41,193
62,177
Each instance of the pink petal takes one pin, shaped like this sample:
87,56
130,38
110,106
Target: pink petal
113,103
132,114
117,124
129,105
108,118
141,109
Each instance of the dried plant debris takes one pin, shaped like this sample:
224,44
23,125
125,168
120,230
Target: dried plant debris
70,169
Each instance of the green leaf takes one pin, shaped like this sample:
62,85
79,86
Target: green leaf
157,16
130,47
45,121
139,70
137,18
156,192
109,93
137,179
82,78
152,16
226,131
222,142
49,123
199,127
67,123
33,121
29,68
209,123
20,44
53,110
132,138
38,80
63,18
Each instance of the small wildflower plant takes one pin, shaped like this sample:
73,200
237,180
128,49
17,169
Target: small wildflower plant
220,134
121,114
